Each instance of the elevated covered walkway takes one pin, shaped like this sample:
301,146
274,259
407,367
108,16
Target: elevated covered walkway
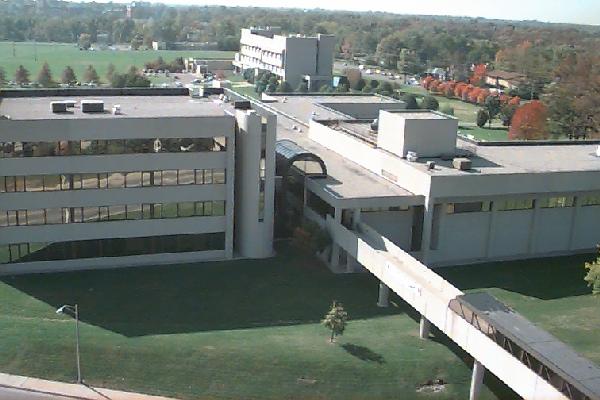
530,361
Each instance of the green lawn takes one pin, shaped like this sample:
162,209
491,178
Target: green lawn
550,292
240,329
58,55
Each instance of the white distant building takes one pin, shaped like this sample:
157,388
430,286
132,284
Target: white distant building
295,58
134,180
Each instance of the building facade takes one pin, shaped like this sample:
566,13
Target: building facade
144,180
443,198
294,58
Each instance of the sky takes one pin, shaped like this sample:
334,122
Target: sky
571,11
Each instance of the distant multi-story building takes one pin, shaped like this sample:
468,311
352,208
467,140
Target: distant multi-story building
294,58
108,180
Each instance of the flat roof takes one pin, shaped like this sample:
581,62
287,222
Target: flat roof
559,357
418,114
38,108
303,107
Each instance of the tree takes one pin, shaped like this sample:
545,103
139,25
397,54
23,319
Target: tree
529,122
506,113
342,88
302,87
110,70
68,75
593,275
354,77
85,41
374,83
492,106
430,103
411,101
272,87
360,84
22,75
335,320
482,117
90,74
45,76
284,87
219,75
2,77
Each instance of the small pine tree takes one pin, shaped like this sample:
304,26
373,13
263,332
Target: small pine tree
593,275
45,76
2,77
68,75
90,74
284,87
482,117
22,75
335,320
110,71
302,87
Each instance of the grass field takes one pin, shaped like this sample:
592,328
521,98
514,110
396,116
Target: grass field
250,329
58,55
550,292
243,329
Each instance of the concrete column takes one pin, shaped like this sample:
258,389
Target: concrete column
491,234
427,229
355,218
536,211
574,213
384,295
424,327
476,380
335,248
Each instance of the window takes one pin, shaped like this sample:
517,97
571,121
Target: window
89,181
169,177
90,214
169,210
185,209
34,183
185,177
146,178
199,179
219,176
116,180
36,217
116,213
134,211
590,200
76,181
477,206
54,215
51,183
208,177
133,179
557,202
515,204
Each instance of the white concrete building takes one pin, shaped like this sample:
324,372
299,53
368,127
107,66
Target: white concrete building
144,179
515,200
295,58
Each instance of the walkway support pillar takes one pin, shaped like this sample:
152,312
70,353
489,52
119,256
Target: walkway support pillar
424,327
476,380
335,248
384,295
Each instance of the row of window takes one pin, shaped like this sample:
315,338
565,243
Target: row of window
523,204
68,215
111,180
117,247
111,146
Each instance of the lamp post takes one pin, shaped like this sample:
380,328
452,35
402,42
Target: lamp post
74,309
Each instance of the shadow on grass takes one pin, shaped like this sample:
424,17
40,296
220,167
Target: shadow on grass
485,128
495,385
543,278
363,353
292,288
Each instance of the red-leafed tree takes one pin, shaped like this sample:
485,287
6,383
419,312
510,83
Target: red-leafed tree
529,122
474,94
479,73
483,94
459,89
434,86
515,101
427,81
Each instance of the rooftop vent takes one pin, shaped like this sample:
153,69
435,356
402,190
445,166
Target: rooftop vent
58,106
70,103
92,106
598,151
461,163
116,110
375,125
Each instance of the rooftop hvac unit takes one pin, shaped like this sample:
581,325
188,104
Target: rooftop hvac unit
70,103
116,110
598,151
92,106
58,106
461,163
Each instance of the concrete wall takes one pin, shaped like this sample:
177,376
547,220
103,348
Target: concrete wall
399,134
394,225
325,50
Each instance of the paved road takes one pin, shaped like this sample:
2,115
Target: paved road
13,394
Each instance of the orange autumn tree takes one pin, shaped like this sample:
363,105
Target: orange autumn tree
529,122
479,73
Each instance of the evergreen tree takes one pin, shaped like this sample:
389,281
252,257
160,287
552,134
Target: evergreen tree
22,75
335,320
411,101
302,87
492,106
90,74
110,71
68,75
2,77
430,103
45,76
593,275
482,117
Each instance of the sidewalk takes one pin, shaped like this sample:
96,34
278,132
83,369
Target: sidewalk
71,390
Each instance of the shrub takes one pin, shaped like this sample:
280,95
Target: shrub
482,118
446,109
430,103
411,101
